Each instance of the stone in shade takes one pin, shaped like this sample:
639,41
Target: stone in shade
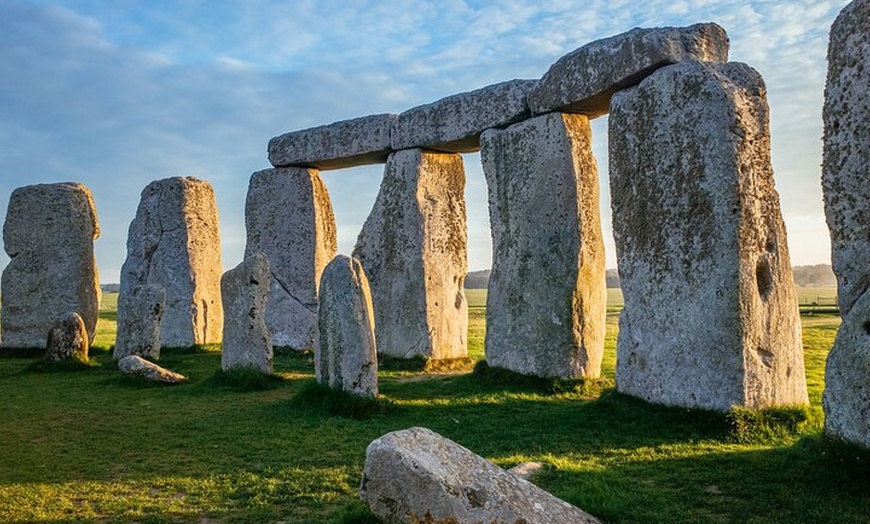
174,242
711,318
140,316
49,236
413,248
346,357
138,366
288,217
68,339
546,303
584,80
246,340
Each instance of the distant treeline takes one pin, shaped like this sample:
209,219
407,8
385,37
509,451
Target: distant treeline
819,275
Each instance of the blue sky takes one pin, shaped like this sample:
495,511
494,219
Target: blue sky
117,94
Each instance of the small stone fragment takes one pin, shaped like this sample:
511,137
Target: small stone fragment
245,292
454,124
339,145
68,339
415,476
346,356
140,316
136,365
49,236
526,470
584,80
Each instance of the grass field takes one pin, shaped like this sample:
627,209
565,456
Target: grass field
89,446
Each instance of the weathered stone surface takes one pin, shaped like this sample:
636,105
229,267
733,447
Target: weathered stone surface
711,317
68,339
346,357
546,303
415,475
49,236
847,374
174,242
846,166
343,144
454,124
136,365
584,80
245,293
288,217
140,317
413,248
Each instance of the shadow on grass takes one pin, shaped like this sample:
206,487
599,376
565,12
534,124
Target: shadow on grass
61,366
245,380
323,399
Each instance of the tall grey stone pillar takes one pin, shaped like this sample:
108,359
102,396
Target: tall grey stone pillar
288,217
413,248
49,236
545,307
711,317
174,242
846,184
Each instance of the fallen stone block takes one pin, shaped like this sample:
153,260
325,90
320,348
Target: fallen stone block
584,80
136,365
339,145
711,318
454,124
415,476
346,357
245,292
140,316
68,339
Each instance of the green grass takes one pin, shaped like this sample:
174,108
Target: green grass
87,446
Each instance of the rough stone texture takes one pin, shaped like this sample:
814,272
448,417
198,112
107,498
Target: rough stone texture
584,80
140,317
174,242
413,248
546,305
347,143
454,124
245,293
711,317
49,236
288,217
846,166
68,339
415,476
346,357
136,365
847,374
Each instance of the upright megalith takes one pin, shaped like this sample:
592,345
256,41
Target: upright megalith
140,317
413,247
846,184
49,236
174,242
346,356
846,164
245,293
545,307
288,217
711,317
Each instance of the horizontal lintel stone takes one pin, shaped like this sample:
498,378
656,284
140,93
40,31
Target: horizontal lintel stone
454,124
347,143
584,80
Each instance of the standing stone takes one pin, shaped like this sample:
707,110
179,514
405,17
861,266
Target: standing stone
413,248
245,292
417,476
545,308
68,339
846,184
140,317
711,318
288,217
346,357
174,242
846,165
49,236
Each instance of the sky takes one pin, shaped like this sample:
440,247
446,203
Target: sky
117,94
